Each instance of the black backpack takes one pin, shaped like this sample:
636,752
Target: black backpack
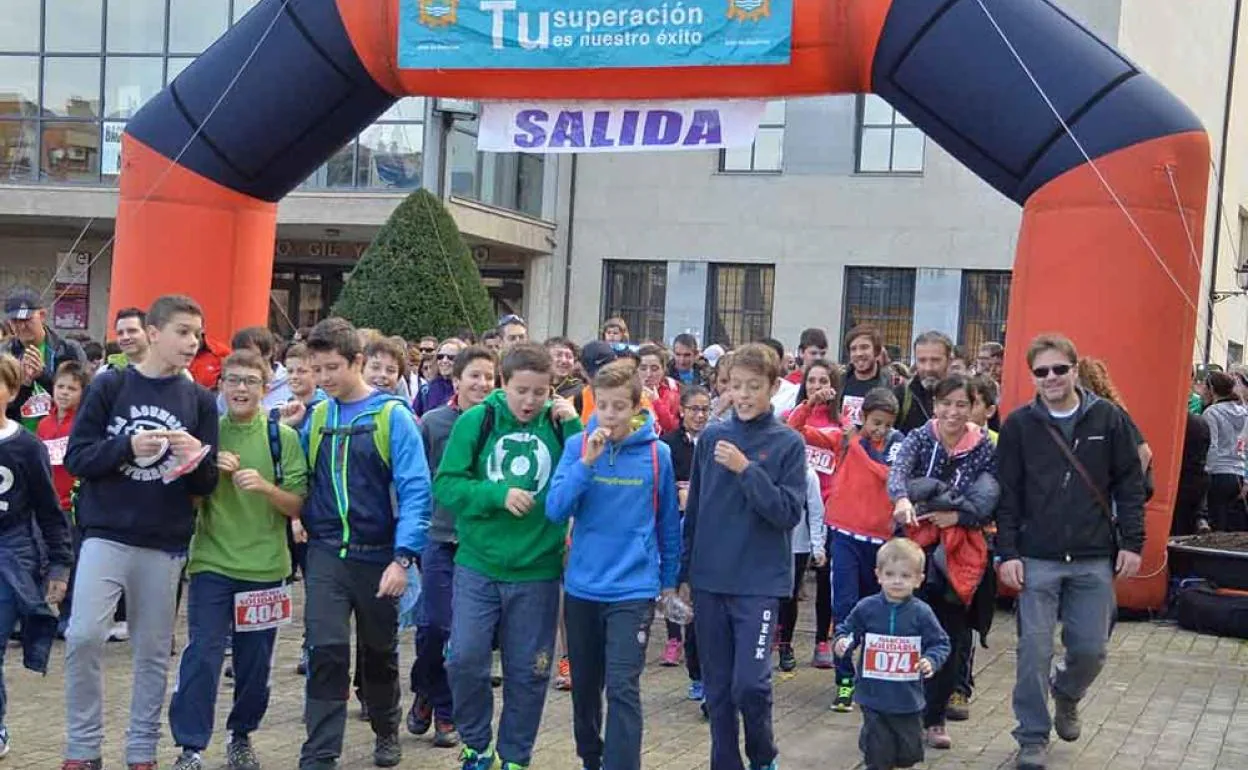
1203,610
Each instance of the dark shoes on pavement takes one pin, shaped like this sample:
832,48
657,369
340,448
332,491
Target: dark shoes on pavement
1066,718
1033,756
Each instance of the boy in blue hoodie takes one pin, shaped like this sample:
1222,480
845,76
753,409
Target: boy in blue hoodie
902,644
616,480
747,493
361,444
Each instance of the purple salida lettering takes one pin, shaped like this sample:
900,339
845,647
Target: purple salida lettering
569,130
599,136
704,128
530,124
628,128
662,127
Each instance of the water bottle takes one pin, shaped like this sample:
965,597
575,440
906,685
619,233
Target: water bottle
677,610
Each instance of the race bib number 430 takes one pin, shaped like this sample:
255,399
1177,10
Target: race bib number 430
261,610
895,658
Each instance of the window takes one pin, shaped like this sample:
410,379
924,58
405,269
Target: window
738,303
767,152
985,301
636,292
1234,353
882,297
887,142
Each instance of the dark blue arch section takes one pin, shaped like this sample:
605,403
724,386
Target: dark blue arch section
303,91
943,65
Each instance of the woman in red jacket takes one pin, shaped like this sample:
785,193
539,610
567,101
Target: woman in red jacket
663,392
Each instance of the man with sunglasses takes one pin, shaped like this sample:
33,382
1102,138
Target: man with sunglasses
1061,461
514,330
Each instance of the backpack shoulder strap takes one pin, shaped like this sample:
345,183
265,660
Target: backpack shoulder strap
556,427
316,425
654,459
274,427
381,430
483,434
907,401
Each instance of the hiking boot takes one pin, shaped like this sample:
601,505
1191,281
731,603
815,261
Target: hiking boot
444,735
823,656
938,737
239,754
476,760
1033,756
82,764
959,708
697,691
563,679
419,716
788,661
386,750
188,760
1066,718
844,702
671,653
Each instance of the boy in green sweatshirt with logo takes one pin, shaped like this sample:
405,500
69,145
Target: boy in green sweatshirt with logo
495,474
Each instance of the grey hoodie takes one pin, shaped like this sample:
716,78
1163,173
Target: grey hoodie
435,429
1226,420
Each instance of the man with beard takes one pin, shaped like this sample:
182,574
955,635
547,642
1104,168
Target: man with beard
932,352
130,327
864,373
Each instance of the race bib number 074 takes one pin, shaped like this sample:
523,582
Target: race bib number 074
261,610
894,658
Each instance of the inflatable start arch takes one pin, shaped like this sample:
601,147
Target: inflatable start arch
205,224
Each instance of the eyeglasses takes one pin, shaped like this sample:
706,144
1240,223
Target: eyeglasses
446,356
1061,370
428,351
233,381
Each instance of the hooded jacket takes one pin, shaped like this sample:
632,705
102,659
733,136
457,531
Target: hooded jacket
921,408
433,394
963,559
1227,422
626,542
515,455
1046,509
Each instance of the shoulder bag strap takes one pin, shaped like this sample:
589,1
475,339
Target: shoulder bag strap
1082,471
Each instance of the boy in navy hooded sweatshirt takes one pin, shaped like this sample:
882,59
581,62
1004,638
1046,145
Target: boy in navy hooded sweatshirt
747,493
616,480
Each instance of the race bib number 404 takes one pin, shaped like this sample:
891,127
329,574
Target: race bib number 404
261,610
895,658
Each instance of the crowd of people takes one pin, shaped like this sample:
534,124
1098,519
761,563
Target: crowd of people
543,503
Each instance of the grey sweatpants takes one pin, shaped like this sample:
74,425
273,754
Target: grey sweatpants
1081,593
149,579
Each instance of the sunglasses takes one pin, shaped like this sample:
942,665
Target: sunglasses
428,351
1061,370
446,356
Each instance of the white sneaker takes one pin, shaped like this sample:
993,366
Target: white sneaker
120,632
4,742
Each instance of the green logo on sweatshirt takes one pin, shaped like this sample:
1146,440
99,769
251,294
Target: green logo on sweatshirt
521,461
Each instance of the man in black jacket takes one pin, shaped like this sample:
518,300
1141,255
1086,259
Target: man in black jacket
40,351
932,353
1062,460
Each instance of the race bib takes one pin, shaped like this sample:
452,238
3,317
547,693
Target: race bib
894,658
261,610
38,405
821,459
851,410
56,449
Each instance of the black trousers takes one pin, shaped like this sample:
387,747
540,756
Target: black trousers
1227,511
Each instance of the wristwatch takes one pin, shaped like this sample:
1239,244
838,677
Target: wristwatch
403,560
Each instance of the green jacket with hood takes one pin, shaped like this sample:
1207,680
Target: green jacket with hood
503,547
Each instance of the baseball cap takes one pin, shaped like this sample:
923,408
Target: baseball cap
22,303
596,355
713,354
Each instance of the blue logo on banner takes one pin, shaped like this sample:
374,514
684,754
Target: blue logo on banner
592,34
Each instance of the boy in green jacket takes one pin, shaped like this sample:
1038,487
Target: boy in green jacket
495,474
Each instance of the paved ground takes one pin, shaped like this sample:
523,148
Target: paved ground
1167,699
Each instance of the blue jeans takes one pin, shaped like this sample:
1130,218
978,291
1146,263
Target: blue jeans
8,621
210,623
853,578
524,616
433,628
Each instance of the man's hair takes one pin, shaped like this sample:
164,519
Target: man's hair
563,342
467,355
429,338
984,389
131,312
258,337
335,335
394,347
759,358
617,323
74,370
512,319
491,334
686,339
959,353
880,400
1221,385
652,349
865,330
935,338
901,549
619,374
247,358
526,357
167,306
812,338
691,391
993,349
1055,342
298,350
951,384
10,374
93,350
776,346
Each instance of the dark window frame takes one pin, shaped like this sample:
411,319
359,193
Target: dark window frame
643,316
987,291
748,324
896,124
893,315
753,168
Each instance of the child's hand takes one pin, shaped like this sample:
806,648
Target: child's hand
842,646
227,462
926,668
250,480
595,443
298,532
56,592
292,413
903,512
562,409
727,455
820,558
519,502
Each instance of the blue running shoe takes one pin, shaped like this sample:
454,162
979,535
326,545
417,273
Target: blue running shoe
477,760
696,690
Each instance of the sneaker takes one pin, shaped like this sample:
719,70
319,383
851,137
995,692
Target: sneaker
959,708
788,661
386,750
4,742
228,671
82,764
363,715
938,737
1066,718
120,632
187,760
476,760
239,754
301,668
672,652
563,679
773,765
1033,756
444,734
844,702
419,716
697,691
823,656
513,766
